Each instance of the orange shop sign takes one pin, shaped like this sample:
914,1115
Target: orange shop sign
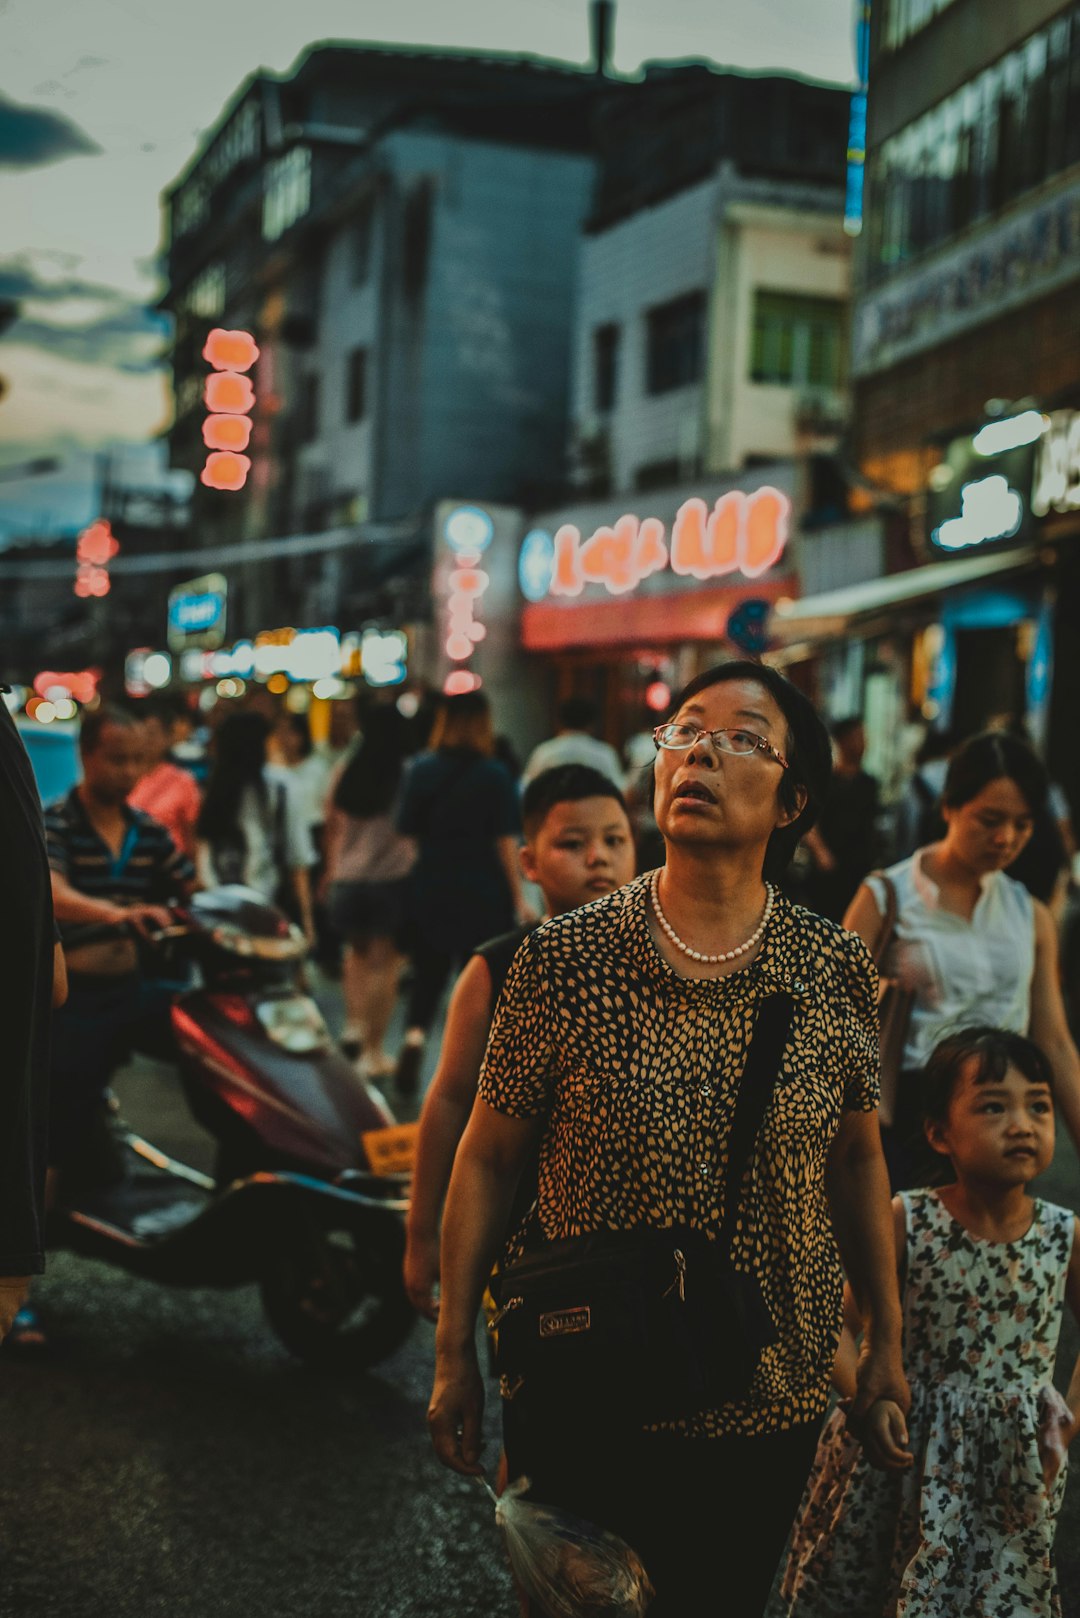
743,533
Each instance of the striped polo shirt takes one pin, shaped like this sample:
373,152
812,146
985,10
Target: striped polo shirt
149,869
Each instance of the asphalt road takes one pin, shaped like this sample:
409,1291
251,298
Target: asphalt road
165,1456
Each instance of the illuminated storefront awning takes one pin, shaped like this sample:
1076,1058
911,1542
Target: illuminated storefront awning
643,621
826,616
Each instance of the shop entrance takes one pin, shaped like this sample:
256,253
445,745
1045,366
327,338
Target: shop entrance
990,677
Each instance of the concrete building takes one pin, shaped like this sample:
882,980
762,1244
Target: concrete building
713,276
709,371
966,360
398,230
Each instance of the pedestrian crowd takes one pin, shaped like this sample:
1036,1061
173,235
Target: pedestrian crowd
739,1095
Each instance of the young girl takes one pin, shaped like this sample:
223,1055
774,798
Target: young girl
951,1511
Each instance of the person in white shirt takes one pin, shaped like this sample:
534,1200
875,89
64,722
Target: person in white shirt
970,942
253,827
574,744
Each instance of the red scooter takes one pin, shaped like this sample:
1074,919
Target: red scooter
305,1199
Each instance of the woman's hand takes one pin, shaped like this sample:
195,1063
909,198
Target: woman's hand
880,1376
456,1411
885,1437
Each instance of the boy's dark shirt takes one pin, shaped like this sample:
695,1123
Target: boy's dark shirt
26,962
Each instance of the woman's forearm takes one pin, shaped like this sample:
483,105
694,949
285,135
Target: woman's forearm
858,1190
302,888
442,1125
1065,1065
474,1222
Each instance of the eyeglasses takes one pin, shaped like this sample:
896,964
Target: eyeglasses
739,743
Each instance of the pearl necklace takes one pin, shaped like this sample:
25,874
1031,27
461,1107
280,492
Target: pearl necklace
696,954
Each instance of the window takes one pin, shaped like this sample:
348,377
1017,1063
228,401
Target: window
605,367
798,341
360,245
356,385
906,17
206,294
307,424
676,343
286,192
1013,126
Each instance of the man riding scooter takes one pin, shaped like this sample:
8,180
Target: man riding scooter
113,869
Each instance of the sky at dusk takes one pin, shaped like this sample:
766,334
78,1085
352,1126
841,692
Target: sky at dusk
102,103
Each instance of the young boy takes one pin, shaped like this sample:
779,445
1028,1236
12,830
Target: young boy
578,846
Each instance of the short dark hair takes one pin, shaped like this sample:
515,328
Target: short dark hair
566,783
577,713
300,726
996,1050
95,722
988,757
808,751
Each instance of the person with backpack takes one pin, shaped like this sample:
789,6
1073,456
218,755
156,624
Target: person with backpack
252,828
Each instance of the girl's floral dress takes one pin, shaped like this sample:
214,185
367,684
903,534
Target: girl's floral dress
968,1531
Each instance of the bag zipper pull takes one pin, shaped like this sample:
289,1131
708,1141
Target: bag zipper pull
511,1303
679,1283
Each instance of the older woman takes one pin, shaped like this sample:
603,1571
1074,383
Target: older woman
620,1043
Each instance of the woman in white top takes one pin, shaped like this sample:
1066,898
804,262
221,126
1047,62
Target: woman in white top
971,942
252,828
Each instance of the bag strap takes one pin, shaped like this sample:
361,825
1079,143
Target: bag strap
888,924
756,1086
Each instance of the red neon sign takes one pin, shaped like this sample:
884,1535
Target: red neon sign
744,533
82,686
229,397
224,470
230,350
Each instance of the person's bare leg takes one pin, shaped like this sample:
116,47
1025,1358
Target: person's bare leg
382,964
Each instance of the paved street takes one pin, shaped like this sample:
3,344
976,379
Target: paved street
167,1457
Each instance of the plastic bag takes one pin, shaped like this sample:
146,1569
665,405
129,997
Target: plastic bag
569,1567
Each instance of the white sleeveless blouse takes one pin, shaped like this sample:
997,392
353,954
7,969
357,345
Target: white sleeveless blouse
962,972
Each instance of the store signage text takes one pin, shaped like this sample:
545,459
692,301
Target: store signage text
743,533
229,398
467,531
989,510
305,655
1057,465
94,550
196,612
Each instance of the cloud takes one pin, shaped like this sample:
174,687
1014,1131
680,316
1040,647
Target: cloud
32,136
81,321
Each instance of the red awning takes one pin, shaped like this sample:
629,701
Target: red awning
651,620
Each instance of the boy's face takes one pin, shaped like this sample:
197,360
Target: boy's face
580,852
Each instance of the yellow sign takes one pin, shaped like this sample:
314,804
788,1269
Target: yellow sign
392,1150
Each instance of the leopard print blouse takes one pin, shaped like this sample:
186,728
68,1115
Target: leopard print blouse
635,1070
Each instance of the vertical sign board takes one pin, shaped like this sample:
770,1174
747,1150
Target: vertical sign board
197,614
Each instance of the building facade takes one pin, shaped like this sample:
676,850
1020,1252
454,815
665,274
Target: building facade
966,362
708,377
398,232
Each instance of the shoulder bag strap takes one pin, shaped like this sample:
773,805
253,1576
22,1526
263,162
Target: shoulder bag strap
756,1086
888,925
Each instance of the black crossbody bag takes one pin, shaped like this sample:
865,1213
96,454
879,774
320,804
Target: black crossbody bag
651,1324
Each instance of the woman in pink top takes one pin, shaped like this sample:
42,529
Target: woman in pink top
166,791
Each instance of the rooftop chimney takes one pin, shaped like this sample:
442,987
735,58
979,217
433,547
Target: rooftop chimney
602,29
